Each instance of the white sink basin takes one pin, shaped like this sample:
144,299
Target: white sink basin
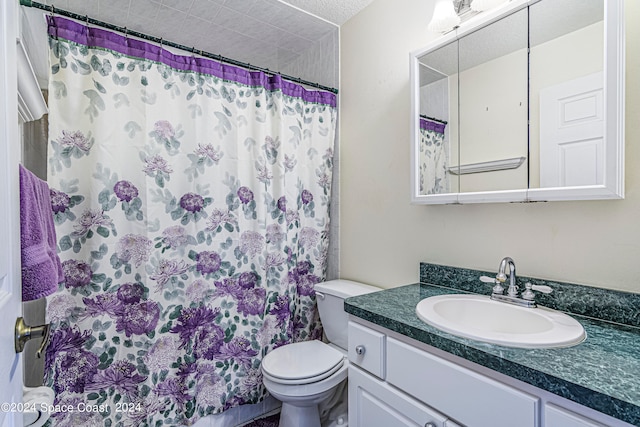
479,318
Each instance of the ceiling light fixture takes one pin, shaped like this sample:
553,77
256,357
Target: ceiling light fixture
444,17
447,14
482,5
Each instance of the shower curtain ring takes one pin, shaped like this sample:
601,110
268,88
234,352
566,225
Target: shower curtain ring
53,22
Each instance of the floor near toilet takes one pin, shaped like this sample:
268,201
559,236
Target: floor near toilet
271,421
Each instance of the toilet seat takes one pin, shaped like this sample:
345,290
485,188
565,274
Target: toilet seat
303,381
296,393
302,363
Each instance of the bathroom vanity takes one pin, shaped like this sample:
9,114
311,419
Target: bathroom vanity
405,372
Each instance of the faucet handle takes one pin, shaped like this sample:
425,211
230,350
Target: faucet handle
542,288
528,293
498,288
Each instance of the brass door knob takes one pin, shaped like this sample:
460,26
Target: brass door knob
25,333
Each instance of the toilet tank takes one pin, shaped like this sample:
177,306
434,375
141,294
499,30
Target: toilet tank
330,297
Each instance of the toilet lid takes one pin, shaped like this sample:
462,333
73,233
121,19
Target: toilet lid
302,360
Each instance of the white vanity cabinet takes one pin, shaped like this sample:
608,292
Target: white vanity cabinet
560,417
368,350
374,403
395,382
470,398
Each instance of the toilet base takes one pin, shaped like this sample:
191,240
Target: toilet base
300,402
297,416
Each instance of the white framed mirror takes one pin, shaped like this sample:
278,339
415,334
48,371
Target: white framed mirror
521,103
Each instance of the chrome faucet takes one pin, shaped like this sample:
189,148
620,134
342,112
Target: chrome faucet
527,297
512,291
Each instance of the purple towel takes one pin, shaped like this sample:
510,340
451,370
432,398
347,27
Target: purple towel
41,268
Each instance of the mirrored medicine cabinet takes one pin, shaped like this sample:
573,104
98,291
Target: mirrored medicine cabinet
521,103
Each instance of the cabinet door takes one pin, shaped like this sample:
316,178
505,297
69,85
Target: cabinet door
373,403
366,349
560,417
467,396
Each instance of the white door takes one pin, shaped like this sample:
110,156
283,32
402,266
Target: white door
572,133
10,277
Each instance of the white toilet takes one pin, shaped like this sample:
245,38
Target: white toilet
302,375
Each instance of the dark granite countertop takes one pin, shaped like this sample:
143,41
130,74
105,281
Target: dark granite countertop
602,373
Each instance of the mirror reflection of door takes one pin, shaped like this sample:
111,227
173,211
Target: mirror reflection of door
567,104
572,133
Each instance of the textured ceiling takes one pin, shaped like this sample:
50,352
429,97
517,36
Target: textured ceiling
271,34
336,11
267,33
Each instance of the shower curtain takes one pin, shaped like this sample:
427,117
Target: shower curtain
434,158
191,204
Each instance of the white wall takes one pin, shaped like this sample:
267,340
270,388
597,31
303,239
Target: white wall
493,121
384,238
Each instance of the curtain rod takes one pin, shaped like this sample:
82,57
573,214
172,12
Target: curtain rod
163,42
444,122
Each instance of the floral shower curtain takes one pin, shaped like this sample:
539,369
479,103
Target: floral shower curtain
191,202
434,158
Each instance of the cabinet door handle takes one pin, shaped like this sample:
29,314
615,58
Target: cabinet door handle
430,424
360,350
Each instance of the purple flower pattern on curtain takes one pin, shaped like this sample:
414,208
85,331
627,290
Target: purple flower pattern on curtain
192,217
434,158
